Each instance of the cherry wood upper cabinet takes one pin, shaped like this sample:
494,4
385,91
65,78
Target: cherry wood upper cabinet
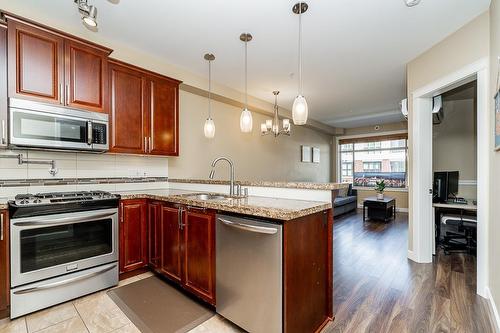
36,63
164,117
133,235
4,264
129,109
199,253
171,243
3,85
50,66
154,234
86,76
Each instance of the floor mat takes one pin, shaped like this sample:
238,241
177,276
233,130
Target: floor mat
156,307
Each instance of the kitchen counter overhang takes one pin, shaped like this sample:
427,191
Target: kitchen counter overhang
266,207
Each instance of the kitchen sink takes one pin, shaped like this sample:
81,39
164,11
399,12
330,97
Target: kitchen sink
208,196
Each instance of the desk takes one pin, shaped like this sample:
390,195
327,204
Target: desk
454,208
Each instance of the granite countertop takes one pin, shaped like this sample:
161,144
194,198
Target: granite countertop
274,208
264,183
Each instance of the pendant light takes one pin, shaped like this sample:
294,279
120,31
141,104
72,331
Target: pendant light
246,122
209,127
299,108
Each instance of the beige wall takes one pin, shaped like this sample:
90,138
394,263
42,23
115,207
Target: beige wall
465,46
400,195
494,225
256,157
454,140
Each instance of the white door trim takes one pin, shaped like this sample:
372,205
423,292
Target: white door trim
421,170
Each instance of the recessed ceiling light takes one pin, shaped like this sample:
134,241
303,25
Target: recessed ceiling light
411,3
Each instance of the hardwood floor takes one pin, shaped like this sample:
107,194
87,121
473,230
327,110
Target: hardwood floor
377,289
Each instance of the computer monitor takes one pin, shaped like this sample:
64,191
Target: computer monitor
452,183
445,185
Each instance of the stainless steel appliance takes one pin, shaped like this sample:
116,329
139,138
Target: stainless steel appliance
249,273
45,126
62,246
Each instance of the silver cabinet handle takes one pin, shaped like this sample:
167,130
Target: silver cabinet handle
61,94
4,133
67,95
179,218
146,144
1,226
247,227
64,282
40,221
89,133
149,144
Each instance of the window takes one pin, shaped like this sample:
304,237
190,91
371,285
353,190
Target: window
363,162
372,166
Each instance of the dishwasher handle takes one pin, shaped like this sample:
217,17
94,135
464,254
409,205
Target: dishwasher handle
248,227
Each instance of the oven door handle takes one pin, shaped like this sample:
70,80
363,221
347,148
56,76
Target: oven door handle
63,282
40,221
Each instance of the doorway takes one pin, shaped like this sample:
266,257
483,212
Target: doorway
420,166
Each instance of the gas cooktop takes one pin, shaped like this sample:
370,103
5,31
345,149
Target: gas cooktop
61,202
61,197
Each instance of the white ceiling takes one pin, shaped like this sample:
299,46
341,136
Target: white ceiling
355,51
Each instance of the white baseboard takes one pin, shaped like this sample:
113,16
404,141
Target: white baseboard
400,210
493,309
412,256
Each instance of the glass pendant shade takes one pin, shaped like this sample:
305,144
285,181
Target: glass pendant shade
209,128
246,121
299,110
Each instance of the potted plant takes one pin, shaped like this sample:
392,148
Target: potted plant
379,188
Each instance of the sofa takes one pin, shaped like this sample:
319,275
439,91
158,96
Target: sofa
346,201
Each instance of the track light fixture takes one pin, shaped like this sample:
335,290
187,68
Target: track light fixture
411,3
89,13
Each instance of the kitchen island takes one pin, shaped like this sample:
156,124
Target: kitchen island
188,224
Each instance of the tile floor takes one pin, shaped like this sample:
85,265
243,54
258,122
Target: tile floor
95,313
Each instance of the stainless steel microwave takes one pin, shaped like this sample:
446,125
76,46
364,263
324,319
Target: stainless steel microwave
46,126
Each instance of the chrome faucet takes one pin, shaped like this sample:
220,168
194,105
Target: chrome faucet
231,180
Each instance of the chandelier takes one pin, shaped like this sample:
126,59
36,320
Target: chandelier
272,126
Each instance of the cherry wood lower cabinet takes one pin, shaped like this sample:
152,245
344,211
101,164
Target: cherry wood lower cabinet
175,241
4,264
199,252
171,251
133,235
154,235
308,273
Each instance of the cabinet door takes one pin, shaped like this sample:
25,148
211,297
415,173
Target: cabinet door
154,232
129,105
164,117
133,235
86,77
36,63
199,253
4,264
171,243
3,86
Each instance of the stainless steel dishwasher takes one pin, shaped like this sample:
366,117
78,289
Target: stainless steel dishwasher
249,273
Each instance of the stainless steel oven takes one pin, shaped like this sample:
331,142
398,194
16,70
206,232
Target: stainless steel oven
62,246
47,246
38,125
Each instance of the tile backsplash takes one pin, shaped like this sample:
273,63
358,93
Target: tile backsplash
82,165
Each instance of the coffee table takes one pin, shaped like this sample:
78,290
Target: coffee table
379,209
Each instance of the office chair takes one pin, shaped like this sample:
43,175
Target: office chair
465,239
